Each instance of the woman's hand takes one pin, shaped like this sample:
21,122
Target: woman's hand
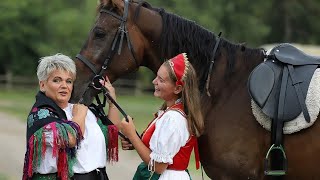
107,84
79,113
126,145
128,128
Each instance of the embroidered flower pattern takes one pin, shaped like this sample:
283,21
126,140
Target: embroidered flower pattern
39,114
34,109
30,120
43,113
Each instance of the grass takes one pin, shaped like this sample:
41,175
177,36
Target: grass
3,177
18,102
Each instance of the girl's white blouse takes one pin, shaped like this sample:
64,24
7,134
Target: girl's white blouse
171,133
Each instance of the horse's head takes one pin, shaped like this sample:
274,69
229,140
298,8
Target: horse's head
116,45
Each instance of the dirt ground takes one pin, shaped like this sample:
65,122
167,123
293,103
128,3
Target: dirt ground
12,140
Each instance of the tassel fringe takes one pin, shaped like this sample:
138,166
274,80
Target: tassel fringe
36,149
113,151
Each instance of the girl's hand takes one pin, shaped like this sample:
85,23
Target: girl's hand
128,128
126,145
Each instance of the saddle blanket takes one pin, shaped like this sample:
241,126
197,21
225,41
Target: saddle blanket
299,123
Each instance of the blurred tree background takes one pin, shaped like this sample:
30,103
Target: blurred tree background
34,28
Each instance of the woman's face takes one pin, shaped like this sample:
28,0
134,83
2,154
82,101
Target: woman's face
164,87
58,87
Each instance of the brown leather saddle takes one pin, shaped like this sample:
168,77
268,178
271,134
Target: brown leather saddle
279,87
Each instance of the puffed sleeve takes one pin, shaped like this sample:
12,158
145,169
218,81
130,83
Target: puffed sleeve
171,133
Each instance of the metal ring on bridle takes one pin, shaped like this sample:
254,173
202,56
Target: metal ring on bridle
95,83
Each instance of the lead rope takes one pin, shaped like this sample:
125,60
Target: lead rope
99,111
107,95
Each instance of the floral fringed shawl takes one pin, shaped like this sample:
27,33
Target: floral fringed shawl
43,113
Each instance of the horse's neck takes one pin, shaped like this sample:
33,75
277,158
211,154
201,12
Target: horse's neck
240,63
182,35
150,25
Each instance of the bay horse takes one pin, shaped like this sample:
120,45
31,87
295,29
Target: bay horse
127,35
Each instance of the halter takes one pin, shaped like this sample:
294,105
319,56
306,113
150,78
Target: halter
118,39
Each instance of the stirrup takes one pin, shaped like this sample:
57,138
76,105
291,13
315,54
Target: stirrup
270,172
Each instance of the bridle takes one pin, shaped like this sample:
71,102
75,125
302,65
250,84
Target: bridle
121,33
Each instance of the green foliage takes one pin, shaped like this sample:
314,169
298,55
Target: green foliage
294,21
19,33
34,28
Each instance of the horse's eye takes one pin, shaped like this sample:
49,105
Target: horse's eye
98,33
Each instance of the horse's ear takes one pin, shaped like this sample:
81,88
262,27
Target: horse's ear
119,4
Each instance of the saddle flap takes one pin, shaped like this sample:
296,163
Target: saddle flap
289,54
260,83
267,81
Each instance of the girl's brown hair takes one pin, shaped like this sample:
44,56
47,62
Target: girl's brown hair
190,97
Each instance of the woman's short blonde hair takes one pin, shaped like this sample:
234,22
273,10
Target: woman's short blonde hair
48,64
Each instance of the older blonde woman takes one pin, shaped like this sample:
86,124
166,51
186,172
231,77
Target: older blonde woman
64,140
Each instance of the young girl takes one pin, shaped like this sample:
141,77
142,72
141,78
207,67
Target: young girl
168,141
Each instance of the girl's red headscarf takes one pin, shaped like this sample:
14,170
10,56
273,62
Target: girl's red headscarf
179,65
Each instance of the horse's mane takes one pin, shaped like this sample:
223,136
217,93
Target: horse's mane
182,35
145,5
